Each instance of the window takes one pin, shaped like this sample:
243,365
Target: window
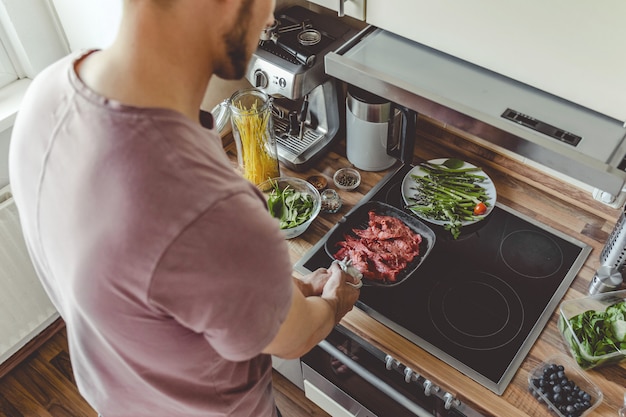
31,35
31,38
8,73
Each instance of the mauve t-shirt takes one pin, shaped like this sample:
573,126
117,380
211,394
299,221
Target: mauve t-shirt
162,260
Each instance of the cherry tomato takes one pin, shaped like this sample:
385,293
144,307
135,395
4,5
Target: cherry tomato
479,209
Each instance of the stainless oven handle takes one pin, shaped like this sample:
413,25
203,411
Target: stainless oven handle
374,380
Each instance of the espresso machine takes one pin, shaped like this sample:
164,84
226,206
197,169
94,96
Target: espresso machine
288,64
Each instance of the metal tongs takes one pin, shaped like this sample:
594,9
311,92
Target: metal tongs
346,266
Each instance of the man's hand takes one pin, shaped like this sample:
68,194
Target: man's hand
313,283
338,293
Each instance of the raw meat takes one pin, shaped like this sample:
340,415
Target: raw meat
382,250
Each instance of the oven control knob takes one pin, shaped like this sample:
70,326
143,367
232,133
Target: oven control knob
450,401
260,79
429,387
391,363
410,376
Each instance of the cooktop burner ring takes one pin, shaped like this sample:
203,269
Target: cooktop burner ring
542,257
394,195
476,310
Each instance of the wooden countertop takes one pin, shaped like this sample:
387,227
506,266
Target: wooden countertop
523,188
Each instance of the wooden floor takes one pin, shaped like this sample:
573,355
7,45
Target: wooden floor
43,386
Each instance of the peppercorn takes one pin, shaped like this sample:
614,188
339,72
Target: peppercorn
346,180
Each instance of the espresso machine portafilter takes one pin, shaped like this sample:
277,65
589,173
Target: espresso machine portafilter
288,64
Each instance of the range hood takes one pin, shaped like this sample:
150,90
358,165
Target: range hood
566,137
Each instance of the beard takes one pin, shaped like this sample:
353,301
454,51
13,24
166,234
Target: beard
237,46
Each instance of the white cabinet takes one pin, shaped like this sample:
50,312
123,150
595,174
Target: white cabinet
353,8
572,49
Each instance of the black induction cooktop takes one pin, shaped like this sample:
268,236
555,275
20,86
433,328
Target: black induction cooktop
478,302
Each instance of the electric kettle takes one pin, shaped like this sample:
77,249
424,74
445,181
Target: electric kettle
378,132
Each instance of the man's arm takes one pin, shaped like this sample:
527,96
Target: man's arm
312,317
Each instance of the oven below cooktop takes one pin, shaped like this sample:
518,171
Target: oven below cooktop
478,302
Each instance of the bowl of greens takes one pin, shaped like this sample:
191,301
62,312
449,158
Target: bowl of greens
594,328
294,202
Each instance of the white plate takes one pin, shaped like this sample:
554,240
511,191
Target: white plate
409,191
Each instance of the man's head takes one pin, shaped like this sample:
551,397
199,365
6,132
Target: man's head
166,51
241,40
226,32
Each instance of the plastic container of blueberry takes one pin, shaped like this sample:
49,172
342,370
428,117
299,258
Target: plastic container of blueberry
563,387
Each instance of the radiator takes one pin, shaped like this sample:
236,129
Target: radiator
25,309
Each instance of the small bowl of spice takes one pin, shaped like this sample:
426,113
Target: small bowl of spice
318,181
347,179
331,202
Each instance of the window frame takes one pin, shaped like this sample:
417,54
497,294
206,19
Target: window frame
32,35
33,38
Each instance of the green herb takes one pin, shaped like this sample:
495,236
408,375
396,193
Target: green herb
453,163
597,333
290,207
449,193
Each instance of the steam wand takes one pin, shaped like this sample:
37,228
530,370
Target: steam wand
302,116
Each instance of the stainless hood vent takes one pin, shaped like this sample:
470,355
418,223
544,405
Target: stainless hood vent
559,134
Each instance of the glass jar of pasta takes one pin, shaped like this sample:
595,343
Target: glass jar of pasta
253,131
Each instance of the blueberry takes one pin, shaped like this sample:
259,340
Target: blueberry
561,393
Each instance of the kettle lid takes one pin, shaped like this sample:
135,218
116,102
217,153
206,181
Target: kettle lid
367,106
365,96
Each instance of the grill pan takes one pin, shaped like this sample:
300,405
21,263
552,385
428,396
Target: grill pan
359,219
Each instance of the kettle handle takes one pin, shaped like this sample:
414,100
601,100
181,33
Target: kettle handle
403,148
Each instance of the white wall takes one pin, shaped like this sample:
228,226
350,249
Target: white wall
89,23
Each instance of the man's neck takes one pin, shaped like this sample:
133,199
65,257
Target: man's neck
141,72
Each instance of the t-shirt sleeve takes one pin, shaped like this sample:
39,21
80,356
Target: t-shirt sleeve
228,276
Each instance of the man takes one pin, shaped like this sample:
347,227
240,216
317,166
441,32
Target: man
173,280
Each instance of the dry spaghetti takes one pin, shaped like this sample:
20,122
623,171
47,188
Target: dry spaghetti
256,149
